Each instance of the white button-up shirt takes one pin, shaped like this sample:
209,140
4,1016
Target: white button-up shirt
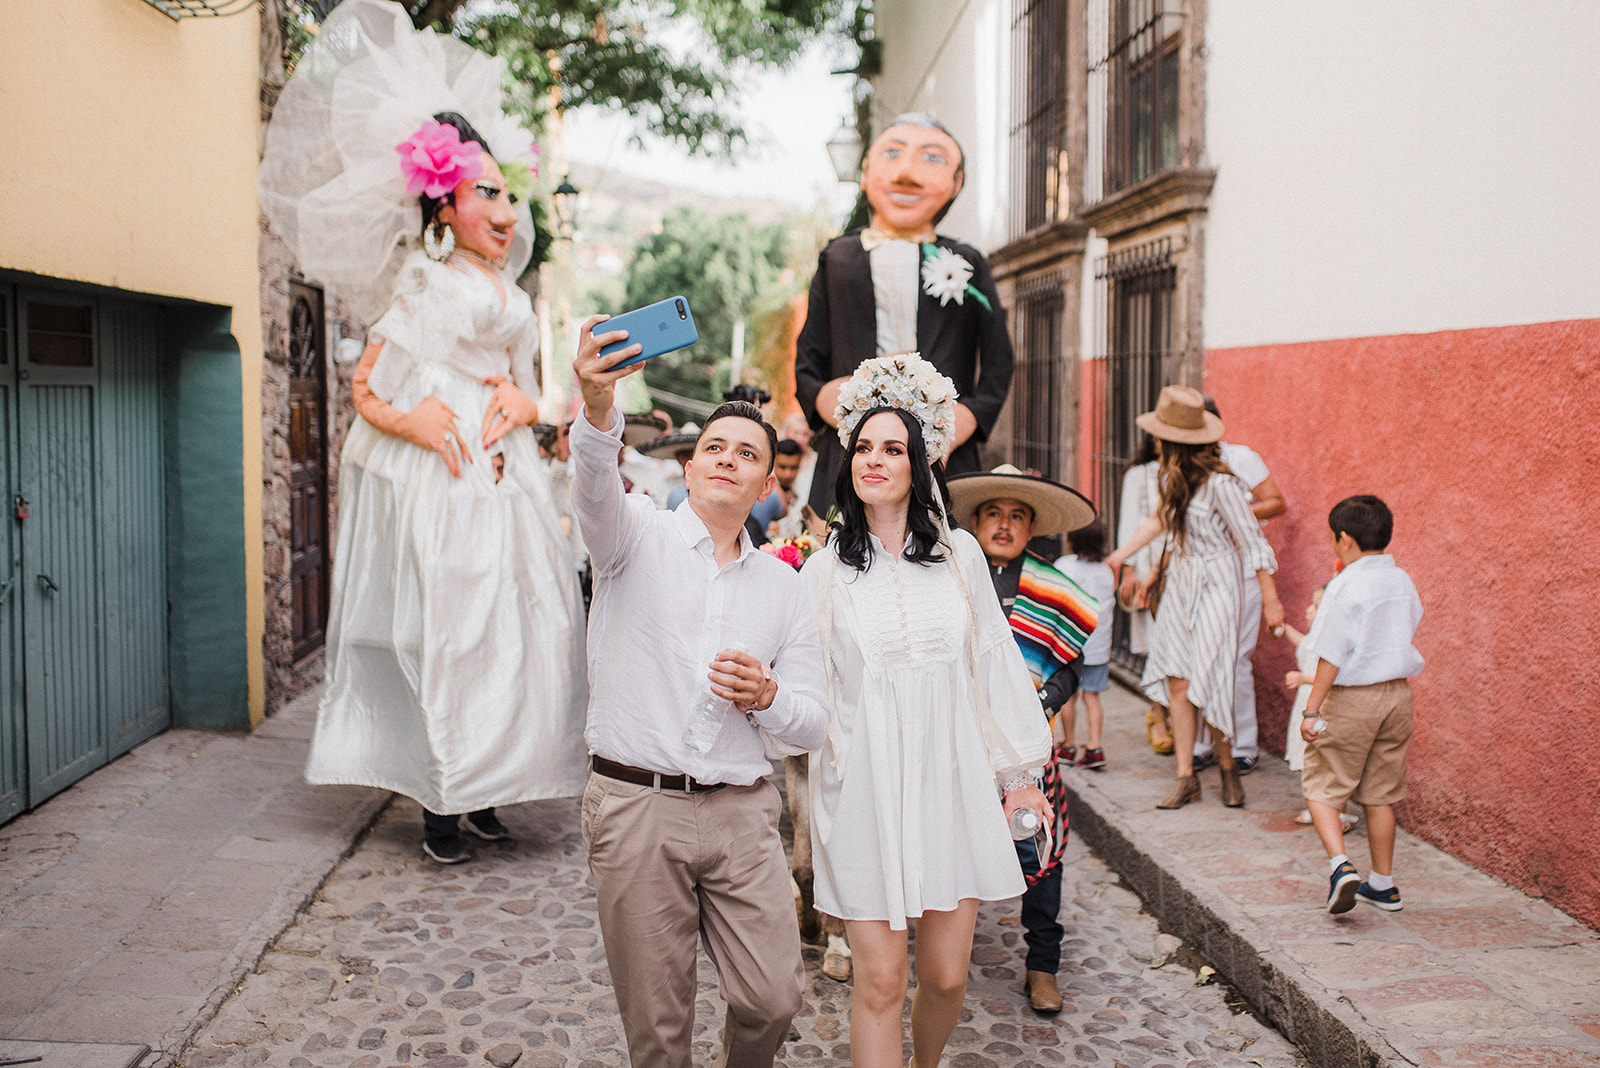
663,609
1365,624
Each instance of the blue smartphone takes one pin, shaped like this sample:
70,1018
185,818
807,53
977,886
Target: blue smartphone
661,327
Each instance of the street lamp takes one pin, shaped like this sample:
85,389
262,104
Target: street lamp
566,198
844,150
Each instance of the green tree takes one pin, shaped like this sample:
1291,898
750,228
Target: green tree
673,64
728,269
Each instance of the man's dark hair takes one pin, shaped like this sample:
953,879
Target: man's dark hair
1088,543
788,447
468,132
738,409
1366,519
1211,405
924,516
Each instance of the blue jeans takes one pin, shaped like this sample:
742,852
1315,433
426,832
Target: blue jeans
1041,905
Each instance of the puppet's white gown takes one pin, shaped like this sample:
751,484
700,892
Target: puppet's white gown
456,670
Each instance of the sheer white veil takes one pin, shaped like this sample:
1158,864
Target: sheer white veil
330,179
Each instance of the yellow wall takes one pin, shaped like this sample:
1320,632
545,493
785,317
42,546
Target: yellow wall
130,162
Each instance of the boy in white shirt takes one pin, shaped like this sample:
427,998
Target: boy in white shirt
1362,641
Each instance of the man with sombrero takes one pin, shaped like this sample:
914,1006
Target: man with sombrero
1051,617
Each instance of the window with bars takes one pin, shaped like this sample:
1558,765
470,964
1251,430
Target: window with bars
1038,386
1135,289
1133,88
1038,113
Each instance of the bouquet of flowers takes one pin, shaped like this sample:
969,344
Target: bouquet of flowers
792,551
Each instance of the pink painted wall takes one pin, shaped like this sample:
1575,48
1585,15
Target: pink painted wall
1486,444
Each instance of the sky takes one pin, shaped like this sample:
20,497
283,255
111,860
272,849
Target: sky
790,116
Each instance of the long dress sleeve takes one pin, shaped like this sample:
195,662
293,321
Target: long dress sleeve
1001,675
1233,506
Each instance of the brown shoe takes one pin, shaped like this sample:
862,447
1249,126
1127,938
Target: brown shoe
1043,993
1185,788
1232,787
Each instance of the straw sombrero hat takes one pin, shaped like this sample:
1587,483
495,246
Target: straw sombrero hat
1056,508
642,427
1181,416
667,446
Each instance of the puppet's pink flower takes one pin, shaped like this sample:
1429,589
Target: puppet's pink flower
435,161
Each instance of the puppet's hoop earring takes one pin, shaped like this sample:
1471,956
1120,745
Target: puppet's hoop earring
438,247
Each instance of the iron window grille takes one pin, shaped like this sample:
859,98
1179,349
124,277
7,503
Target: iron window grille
1038,111
192,9
1135,288
1133,93
1038,393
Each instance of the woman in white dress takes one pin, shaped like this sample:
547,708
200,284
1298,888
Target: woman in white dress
455,639
932,712
1209,532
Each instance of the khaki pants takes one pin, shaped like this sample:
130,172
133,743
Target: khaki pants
670,868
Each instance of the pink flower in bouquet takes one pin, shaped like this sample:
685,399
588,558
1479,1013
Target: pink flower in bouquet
790,554
435,161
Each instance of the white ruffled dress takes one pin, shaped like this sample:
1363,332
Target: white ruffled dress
456,669
905,811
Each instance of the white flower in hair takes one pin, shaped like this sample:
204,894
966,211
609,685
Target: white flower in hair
901,380
945,274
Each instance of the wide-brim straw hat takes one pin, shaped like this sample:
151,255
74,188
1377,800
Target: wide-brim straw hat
1181,416
639,428
667,446
1057,509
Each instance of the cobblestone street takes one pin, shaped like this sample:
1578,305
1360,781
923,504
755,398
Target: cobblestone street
499,961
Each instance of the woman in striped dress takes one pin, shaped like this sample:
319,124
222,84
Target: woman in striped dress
1210,540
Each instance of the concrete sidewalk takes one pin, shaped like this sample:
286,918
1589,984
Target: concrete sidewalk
133,903
1471,972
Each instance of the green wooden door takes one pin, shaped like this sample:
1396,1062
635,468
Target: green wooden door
13,733
89,558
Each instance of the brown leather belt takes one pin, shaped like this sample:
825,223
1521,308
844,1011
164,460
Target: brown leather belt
640,777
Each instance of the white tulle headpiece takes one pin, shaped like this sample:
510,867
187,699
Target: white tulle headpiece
331,182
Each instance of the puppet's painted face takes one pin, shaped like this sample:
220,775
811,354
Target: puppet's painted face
910,173
482,216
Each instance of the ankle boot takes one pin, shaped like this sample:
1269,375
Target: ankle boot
1185,788
1232,787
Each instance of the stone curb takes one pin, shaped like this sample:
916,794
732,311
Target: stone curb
262,935
1321,1023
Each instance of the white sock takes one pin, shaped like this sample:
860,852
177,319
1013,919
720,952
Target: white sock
1334,862
1380,883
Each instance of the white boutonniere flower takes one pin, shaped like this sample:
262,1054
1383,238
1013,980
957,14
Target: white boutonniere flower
945,274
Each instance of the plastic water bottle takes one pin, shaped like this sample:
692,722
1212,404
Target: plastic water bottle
1319,725
1024,824
710,714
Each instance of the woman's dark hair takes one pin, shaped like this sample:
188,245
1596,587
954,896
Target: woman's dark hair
923,516
468,132
1088,543
1147,452
1184,469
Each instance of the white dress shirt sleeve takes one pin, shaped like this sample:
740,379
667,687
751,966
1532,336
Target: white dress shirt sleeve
598,502
798,715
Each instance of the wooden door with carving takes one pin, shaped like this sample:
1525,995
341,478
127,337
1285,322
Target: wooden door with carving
308,469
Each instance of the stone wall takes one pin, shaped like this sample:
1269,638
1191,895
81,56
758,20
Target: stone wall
286,677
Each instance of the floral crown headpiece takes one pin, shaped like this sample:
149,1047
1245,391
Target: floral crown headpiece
901,380
435,160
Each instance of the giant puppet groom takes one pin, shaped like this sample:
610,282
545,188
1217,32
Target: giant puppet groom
897,287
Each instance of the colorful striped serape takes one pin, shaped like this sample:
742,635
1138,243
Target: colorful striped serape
1052,618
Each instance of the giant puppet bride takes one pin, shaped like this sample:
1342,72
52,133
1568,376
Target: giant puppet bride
455,643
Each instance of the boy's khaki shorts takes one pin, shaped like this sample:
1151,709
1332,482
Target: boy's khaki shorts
1362,753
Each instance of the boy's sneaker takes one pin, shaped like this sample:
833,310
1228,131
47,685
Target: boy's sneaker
486,826
1387,900
450,850
1092,758
1342,888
